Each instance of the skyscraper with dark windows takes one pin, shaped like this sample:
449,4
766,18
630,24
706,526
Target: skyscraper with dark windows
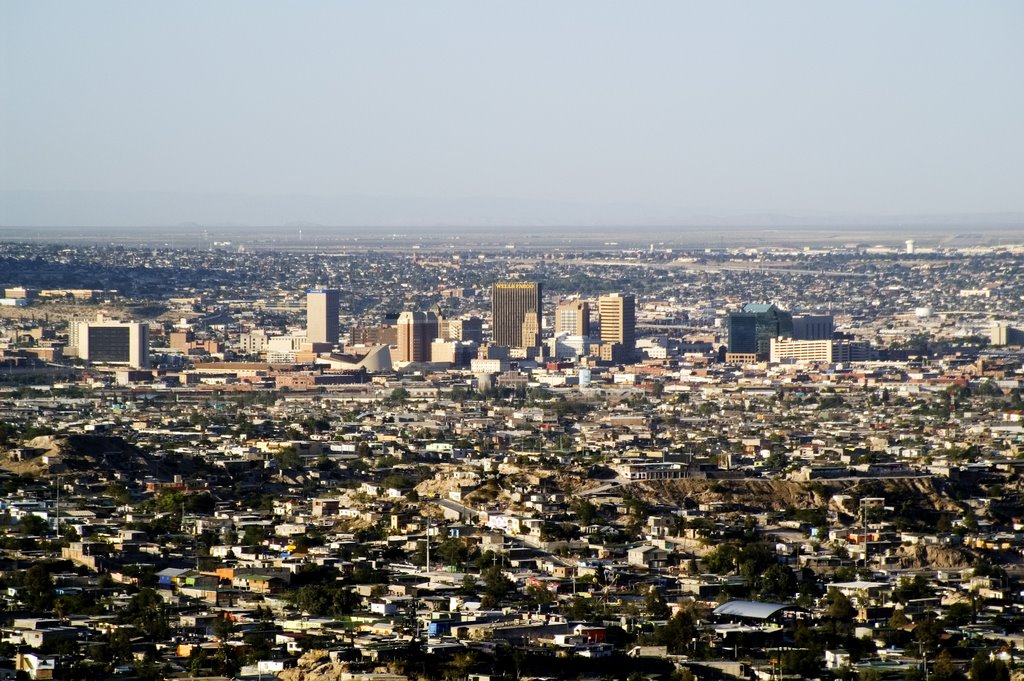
511,303
813,327
751,330
322,309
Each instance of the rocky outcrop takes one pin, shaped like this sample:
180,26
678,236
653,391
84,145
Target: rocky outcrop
314,665
933,557
49,454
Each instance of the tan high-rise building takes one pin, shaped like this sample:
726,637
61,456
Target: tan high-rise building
531,331
383,334
468,329
510,303
572,317
1003,334
322,309
416,332
444,329
618,321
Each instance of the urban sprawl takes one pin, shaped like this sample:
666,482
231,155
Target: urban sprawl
233,462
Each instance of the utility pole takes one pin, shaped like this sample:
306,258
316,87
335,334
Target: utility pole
58,507
864,531
428,545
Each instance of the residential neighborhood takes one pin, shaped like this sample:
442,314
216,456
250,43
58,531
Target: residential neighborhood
244,464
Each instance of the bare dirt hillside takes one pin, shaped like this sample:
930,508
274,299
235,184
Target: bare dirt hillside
55,311
933,557
754,495
50,454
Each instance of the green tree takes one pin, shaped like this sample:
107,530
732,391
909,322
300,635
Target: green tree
578,609
585,511
984,669
539,595
678,633
223,627
496,584
197,661
959,614
944,669
119,493
254,534
839,605
469,585
655,605
778,581
119,648
910,589
147,612
898,619
38,588
755,558
322,600
398,396
928,632
804,662
636,507
288,459
452,552
33,525
722,559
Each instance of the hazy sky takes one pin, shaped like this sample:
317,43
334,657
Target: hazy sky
668,107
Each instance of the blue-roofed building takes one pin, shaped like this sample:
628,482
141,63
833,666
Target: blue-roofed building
166,577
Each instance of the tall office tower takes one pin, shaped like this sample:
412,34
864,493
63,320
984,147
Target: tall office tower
751,331
742,328
531,331
618,321
322,308
416,332
572,317
444,326
107,342
813,327
1002,333
511,301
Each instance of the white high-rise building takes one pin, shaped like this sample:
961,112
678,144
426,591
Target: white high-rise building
109,342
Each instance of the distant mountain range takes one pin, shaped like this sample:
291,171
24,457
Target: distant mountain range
198,210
